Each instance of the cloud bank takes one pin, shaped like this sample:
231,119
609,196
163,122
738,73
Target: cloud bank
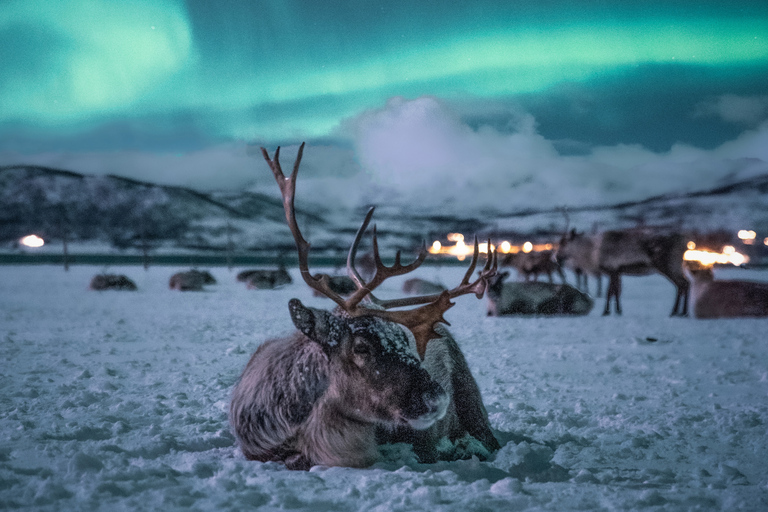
420,156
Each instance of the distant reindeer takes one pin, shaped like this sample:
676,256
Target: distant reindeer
265,279
416,286
532,264
112,282
726,298
190,281
361,374
341,285
534,298
578,252
639,252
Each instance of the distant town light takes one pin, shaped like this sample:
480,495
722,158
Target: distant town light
708,258
745,234
32,241
691,245
527,247
436,245
765,241
506,246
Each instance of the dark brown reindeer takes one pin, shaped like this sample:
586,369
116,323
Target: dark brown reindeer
361,374
639,252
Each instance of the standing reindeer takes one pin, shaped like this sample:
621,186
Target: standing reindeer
577,252
360,374
532,264
726,298
639,253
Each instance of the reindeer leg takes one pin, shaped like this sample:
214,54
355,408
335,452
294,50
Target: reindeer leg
599,285
618,294
613,291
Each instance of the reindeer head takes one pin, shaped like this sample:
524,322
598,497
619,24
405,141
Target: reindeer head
380,378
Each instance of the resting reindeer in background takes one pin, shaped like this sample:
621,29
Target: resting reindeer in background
191,280
726,298
112,282
324,393
527,298
417,286
639,253
265,279
577,251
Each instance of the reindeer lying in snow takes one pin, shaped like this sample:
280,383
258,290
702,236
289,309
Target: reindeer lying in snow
727,298
361,374
265,279
112,282
534,298
191,280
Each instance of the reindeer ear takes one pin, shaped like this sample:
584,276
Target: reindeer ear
316,324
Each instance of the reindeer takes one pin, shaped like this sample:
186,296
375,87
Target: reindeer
727,298
418,286
342,285
112,282
534,263
534,298
639,252
263,279
361,374
578,252
190,281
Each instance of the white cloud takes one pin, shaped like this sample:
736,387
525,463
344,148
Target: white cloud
424,157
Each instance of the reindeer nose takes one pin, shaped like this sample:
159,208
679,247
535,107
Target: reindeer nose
427,403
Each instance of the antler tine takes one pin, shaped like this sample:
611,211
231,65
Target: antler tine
319,282
384,272
351,269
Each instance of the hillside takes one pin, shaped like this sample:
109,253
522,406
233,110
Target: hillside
123,214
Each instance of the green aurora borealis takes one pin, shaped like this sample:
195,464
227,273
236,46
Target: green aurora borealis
283,70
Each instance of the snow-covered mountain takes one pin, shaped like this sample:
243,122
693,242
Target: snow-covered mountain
122,213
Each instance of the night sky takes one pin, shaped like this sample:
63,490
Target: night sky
599,100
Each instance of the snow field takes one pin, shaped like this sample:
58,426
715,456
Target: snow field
118,401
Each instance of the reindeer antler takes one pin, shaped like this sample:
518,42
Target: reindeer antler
421,321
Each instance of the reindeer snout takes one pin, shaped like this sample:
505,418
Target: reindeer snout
428,403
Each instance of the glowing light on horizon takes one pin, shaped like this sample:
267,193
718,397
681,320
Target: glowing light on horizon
747,234
729,255
32,241
461,250
691,245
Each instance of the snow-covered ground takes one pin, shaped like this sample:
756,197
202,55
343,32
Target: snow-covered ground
118,401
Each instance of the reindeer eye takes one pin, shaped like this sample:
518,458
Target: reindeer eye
361,348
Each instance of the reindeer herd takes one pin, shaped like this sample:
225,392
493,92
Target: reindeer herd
369,372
